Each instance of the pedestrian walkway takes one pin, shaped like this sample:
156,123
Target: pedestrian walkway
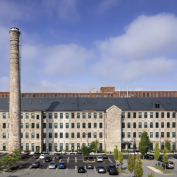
154,170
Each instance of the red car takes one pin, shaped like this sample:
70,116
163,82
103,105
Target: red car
26,152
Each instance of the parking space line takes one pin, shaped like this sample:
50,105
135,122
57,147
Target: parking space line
46,171
68,160
36,170
75,159
56,170
66,170
27,169
75,169
60,161
110,160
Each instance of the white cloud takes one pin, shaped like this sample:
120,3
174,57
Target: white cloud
106,5
147,47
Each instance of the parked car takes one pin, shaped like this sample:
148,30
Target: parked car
105,156
47,159
89,166
42,156
170,164
112,170
161,158
175,156
52,165
79,152
81,169
101,169
62,165
147,156
63,152
35,156
26,152
58,156
35,164
72,153
99,159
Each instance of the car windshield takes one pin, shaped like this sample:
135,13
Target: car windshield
171,163
52,163
112,167
89,163
61,163
101,167
99,157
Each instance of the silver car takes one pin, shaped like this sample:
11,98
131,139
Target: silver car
170,164
99,159
101,169
52,165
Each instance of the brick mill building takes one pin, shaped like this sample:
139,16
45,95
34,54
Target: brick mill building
51,124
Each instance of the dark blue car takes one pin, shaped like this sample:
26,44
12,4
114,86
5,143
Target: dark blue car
62,165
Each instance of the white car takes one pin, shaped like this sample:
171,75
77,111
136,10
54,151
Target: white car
42,156
99,159
63,152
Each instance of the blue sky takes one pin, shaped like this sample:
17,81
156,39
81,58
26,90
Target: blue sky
76,45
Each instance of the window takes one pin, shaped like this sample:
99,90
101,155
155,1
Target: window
145,115
83,115
168,134
151,114
89,135
140,115
128,135
83,135
44,135
72,115
44,115
4,125
162,134
61,135
100,115
61,146
162,145
56,135
151,134
72,135
27,115
139,134
162,124
37,126
95,135
55,115
173,125
173,134
157,105
50,135
61,115
21,125
78,125
157,115
67,146
66,135
134,115
145,124
123,115
44,125
89,125
162,114
72,125
21,135
4,115
50,125
168,114
100,125
156,134
37,117
67,125
134,134
174,115
32,116
140,125
123,134
56,125
61,125
21,115
89,115
83,125
95,125
134,124
50,115
156,125
151,124
27,135
78,115
4,135
55,147
21,146
168,124
27,125
27,146
95,115
66,115
100,135
32,125
128,125
174,146
37,135
128,114
123,125
78,135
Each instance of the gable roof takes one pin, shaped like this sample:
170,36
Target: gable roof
97,104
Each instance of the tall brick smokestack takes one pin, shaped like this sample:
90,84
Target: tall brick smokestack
15,99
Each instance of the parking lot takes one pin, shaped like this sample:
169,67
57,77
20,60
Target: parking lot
73,162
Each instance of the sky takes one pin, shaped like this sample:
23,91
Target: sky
77,45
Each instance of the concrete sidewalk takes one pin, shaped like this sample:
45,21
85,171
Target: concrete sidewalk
154,170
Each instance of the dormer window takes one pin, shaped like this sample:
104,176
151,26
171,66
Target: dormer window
108,90
157,105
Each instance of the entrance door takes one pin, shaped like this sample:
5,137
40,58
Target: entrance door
37,148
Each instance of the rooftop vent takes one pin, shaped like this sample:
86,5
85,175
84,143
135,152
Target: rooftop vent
168,102
51,102
142,102
94,102
30,102
8,102
40,102
110,102
73,102
120,102
131,102
83,102
62,102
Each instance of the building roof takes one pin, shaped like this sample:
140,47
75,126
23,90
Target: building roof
97,104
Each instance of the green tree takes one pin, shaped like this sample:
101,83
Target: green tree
116,153
8,160
157,151
144,143
16,155
120,158
85,150
138,170
165,150
131,163
151,175
168,144
165,159
95,146
1,166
